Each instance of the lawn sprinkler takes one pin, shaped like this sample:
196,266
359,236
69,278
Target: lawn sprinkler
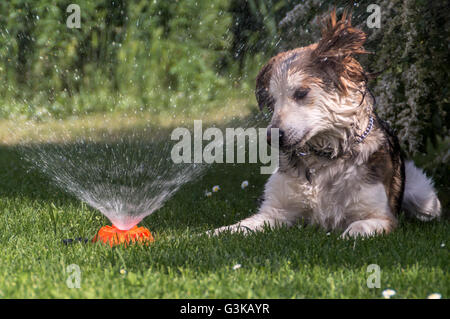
114,236
126,177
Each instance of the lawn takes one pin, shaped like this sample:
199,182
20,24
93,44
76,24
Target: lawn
300,262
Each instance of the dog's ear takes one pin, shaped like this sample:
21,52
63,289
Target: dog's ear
334,52
262,94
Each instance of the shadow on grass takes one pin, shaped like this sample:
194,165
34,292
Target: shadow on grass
19,179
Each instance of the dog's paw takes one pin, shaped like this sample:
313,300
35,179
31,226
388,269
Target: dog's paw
229,229
364,228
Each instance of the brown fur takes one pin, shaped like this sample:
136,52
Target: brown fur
263,81
333,54
392,167
330,60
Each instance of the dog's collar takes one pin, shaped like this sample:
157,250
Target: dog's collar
362,137
329,154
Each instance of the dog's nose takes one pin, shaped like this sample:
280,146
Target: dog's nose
269,135
280,137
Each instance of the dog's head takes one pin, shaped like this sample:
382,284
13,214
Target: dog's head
315,92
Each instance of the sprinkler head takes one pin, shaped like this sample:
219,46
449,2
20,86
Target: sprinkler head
114,236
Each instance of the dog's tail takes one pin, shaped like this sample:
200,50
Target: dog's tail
420,199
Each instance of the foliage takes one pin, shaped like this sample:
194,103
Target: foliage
141,54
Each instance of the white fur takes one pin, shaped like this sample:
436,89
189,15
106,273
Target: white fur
358,208
420,198
366,228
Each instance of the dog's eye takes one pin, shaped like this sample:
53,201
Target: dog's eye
300,93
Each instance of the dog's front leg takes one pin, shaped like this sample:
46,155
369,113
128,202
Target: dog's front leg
275,210
371,214
266,217
369,227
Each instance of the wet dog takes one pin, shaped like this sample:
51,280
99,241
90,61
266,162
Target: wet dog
341,167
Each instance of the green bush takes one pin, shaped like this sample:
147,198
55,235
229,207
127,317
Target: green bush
139,54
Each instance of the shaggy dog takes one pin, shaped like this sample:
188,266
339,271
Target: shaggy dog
341,166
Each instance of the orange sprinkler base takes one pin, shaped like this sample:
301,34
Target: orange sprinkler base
113,236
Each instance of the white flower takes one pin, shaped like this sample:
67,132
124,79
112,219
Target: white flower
244,184
388,293
443,245
216,188
435,296
329,233
208,194
123,272
237,266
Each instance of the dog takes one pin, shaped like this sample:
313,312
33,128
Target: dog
341,166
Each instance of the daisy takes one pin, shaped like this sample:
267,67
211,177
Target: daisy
237,266
244,184
435,296
388,293
216,188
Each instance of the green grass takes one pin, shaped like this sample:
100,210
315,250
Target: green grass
300,262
